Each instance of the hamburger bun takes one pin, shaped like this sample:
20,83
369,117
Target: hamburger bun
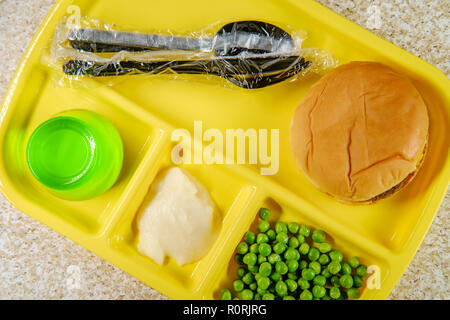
361,132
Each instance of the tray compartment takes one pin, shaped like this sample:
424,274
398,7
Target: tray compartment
43,101
283,211
391,221
231,195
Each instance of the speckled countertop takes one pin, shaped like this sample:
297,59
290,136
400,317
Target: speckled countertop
38,263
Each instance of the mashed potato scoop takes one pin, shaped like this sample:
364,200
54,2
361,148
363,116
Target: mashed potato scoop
180,220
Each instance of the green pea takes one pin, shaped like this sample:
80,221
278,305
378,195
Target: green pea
271,234
248,278
301,238
293,242
282,237
261,259
346,281
280,227
361,271
242,248
320,281
281,288
308,274
254,248
303,265
225,294
288,298
238,285
263,283
240,272
305,231
292,265
268,296
357,282
261,291
318,236
263,226
273,258
334,267
315,266
346,269
262,238
336,255
250,237
253,269
353,293
326,273
281,267
303,283
264,213
272,265
306,295
353,262
335,281
290,254
313,254
279,248
265,249
265,269
275,276
293,227
291,285
247,294
318,291
250,259
292,276
324,247
304,249
335,293
324,259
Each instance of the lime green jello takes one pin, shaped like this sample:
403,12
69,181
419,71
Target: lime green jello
78,154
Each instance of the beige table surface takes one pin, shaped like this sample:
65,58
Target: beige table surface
38,263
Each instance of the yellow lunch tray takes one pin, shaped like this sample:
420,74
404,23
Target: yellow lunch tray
145,110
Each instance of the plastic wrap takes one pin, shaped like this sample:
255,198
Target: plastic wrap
249,54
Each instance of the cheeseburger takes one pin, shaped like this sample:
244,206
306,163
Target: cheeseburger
360,133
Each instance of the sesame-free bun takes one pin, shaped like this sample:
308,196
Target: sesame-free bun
360,133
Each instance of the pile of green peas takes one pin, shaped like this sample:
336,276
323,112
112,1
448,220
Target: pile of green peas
291,262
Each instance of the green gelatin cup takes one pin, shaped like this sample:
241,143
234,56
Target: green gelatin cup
77,155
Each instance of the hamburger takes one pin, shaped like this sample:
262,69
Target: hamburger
360,134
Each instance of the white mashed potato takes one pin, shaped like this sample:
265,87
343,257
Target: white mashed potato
181,220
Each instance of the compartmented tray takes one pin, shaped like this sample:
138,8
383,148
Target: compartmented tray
146,110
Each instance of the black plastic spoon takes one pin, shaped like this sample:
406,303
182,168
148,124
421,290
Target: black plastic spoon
232,39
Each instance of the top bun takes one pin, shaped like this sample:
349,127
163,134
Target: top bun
360,131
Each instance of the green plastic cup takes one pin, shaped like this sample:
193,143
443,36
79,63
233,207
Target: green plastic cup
77,154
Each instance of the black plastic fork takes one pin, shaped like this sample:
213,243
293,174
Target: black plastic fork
246,72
